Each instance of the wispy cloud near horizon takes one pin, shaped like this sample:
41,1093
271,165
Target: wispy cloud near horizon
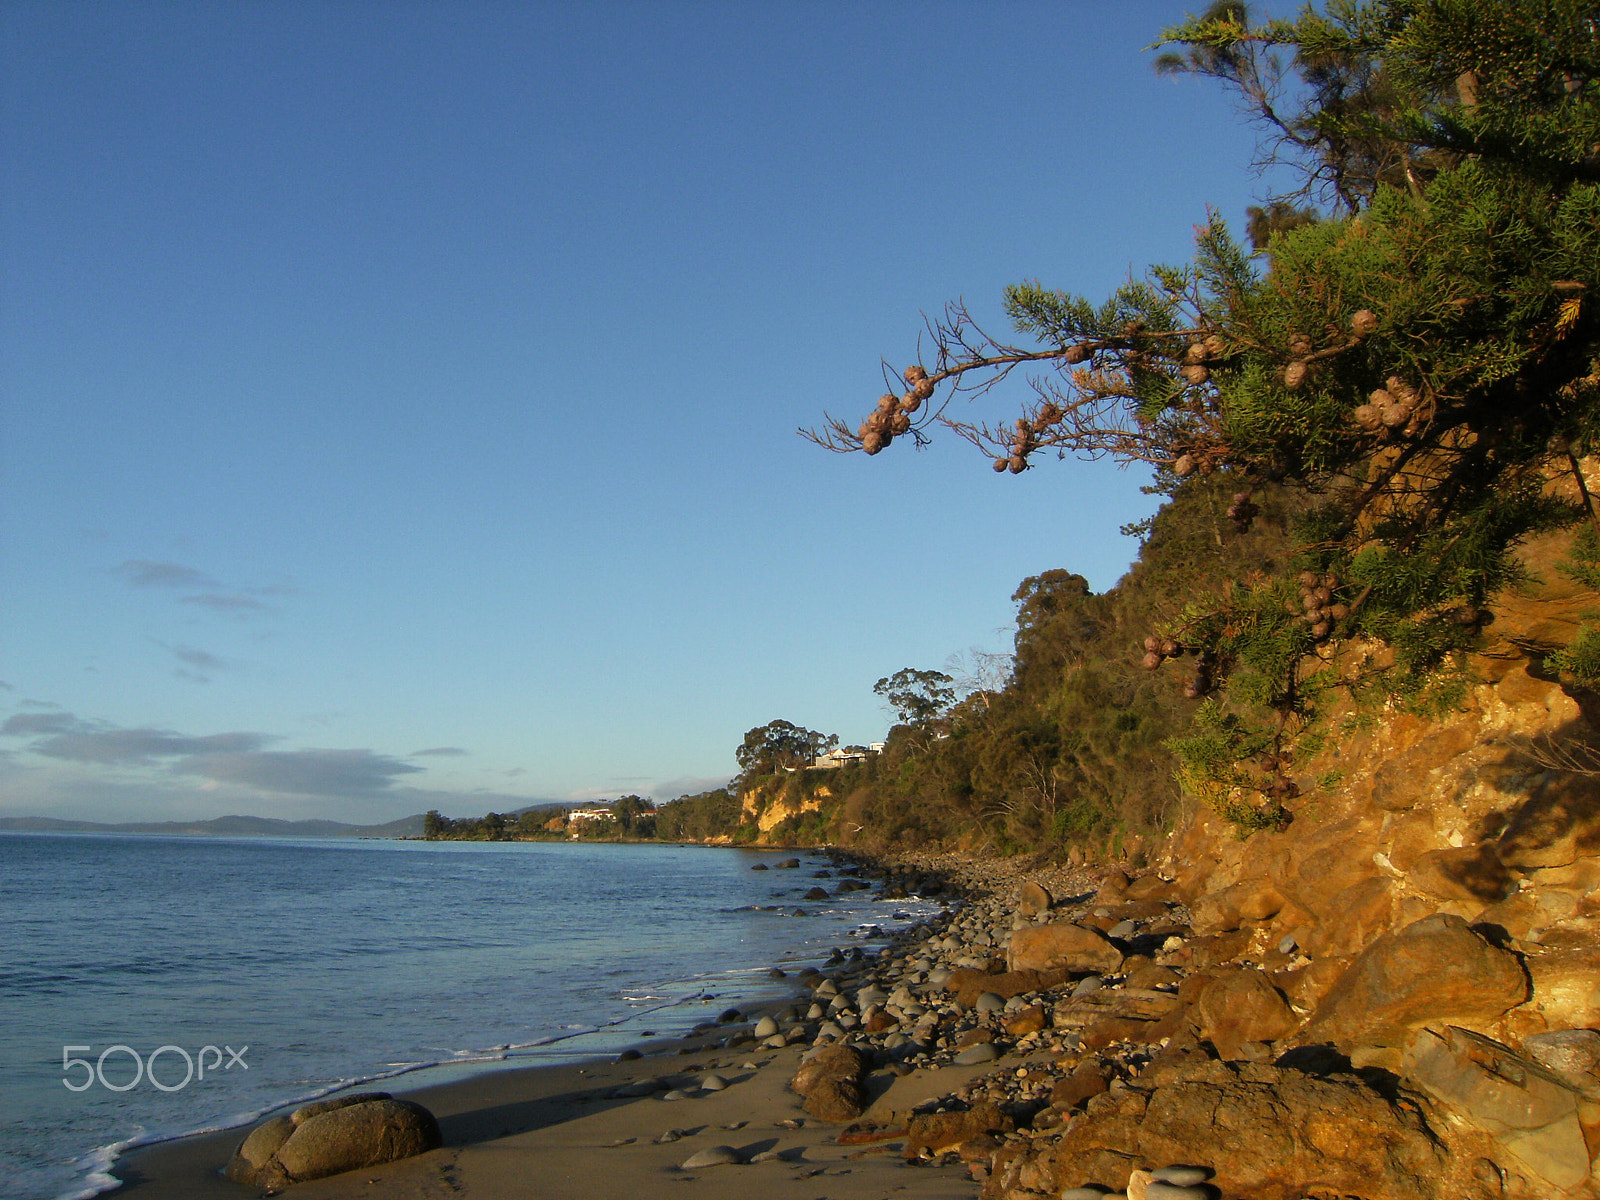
144,572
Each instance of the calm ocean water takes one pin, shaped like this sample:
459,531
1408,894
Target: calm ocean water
308,965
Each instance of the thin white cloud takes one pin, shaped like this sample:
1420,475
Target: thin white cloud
144,572
439,752
232,604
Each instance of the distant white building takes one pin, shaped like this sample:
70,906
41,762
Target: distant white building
841,755
583,816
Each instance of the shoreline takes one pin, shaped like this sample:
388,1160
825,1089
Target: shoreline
505,1123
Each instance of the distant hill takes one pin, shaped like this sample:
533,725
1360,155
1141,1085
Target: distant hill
224,827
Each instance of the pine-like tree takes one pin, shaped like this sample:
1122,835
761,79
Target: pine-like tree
1423,364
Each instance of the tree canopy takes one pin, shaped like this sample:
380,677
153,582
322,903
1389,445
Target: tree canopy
1420,366
917,697
778,745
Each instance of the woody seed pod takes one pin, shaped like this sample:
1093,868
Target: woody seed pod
1198,352
1366,416
1329,580
1307,579
1017,464
1339,612
878,421
1001,464
1151,661
1076,354
910,403
1169,647
1215,346
1396,415
1294,375
1323,593
922,389
1321,630
888,402
1195,373
1184,465
862,430
899,423
873,442
1299,344
1050,413
1364,323
1152,643
915,374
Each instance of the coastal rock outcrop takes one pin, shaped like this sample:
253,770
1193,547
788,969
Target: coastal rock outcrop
330,1137
1434,970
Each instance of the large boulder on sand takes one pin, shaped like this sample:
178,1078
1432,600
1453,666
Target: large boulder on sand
830,1081
331,1137
1062,947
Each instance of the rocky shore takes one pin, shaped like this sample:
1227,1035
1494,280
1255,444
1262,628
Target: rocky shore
1055,1032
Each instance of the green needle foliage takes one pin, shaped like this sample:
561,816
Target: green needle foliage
1419,369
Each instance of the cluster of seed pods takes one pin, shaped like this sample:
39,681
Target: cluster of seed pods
1321,611
1243,511
1362,325
1158,649
1395,406
1276,763
893,414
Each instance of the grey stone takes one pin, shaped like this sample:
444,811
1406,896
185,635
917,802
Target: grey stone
990,1002
1089,983
675,1094
983,1052
1181,1176
1571,1053
765,1027
712,1156
713,1083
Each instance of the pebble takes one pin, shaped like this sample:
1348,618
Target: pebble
983,1052
675,1094
713,1083
671,1135
765,1027
990,1002
1181,1176
767,1156
712,1156
1173,1191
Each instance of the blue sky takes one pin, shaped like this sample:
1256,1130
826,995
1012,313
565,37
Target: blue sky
398,400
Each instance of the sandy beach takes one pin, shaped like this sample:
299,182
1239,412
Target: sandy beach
565,1131
560,1132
